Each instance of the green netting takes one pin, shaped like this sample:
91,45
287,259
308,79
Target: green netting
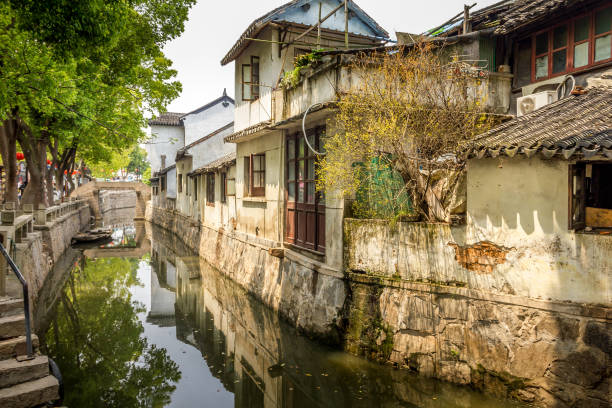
382,192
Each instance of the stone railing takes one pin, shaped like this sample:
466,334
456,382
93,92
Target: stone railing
50,214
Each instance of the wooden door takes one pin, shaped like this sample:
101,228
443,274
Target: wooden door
305,208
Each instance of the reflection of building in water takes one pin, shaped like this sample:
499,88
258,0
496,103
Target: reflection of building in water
266,364
163,288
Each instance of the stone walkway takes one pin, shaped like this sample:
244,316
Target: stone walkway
23,382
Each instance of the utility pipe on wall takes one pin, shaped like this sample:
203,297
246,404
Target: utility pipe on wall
346,18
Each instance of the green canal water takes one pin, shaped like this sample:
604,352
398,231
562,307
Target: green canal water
142,322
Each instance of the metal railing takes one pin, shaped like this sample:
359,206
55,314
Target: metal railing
26,300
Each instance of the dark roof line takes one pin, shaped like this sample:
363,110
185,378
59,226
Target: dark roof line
224,161
165,170
167,119
182,152
222,98
524,12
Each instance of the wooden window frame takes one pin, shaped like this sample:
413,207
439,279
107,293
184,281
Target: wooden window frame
587,175
251,190
195,188
577,172
317,207
210,189
223,187
569,47
253,83
180,183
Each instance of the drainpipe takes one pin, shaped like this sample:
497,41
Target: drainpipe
281,181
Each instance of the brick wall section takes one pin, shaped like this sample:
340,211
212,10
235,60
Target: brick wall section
481,257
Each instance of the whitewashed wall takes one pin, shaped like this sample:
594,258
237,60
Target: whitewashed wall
198,125
165,140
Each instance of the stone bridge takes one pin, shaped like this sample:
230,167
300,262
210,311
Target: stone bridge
95,190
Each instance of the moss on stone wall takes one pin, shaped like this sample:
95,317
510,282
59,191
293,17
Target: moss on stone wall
366,334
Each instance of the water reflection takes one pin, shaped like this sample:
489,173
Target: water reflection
97,340
166,329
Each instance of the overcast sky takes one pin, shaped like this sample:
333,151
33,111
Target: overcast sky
213,27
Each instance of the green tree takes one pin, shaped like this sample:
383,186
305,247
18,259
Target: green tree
78,77
413,111
138,161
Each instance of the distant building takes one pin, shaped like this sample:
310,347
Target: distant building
181,142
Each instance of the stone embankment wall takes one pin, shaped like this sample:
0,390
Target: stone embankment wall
423,300
117,200
39,252
306,293
426,302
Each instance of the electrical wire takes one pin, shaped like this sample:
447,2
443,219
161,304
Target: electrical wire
304,129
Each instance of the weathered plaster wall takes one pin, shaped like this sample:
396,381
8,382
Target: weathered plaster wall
184,191
171,183
214,148
308,294
522,205
200,124
515,242
424,300
259,216
219,215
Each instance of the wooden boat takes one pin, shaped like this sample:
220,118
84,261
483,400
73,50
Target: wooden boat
92,236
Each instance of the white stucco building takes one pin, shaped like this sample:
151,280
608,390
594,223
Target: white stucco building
194,139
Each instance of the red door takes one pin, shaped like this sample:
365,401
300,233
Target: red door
305,214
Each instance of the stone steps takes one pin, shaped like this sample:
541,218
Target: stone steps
16,346
13,372
12,326
10,307
30,394
23,383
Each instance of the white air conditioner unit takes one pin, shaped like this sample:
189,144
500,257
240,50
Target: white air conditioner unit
530,103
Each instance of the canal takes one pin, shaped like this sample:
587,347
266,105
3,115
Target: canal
143,322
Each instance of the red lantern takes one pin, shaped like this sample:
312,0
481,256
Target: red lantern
20,156
48,162
74,173
65,172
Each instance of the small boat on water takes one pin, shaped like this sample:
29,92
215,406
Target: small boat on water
96,235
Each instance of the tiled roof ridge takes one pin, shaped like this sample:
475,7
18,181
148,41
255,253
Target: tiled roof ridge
526,12
167,119
577,124
215,164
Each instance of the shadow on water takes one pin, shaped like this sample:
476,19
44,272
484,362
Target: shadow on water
163,328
